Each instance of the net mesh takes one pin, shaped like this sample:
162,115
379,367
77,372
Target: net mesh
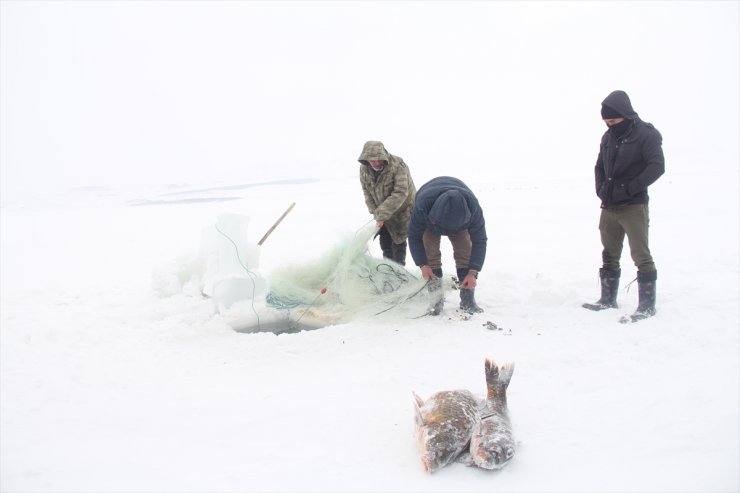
346,283
357,285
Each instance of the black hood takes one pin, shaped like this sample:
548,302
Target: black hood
620,102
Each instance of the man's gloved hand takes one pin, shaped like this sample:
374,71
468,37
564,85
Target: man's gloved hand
470,281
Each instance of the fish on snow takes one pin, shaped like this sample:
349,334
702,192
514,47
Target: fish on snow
492,443
445,424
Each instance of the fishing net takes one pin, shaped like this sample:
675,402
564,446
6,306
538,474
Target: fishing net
347,283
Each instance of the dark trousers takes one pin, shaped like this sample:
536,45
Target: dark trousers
393,251
631,220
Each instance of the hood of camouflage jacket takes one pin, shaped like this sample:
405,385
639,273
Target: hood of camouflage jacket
373,150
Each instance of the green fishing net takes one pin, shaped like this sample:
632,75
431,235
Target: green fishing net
347,283
344,284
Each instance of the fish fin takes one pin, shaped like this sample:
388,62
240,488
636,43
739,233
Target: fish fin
497,376
505,372
499,373
491,369
419,400
418,403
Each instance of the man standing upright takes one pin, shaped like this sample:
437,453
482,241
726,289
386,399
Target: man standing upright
389,195
630,159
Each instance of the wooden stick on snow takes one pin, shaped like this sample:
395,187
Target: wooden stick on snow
269,231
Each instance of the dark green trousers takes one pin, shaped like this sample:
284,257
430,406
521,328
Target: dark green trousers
631,220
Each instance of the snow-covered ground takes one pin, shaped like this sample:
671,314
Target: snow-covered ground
129,128
109,386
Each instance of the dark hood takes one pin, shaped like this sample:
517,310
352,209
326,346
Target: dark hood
450,213
620,102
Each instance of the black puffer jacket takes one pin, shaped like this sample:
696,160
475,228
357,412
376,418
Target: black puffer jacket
628,164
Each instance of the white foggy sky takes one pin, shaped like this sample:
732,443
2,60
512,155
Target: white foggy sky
155,92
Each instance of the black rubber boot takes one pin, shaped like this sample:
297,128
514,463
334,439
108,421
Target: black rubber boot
467,301
609,288
646,294
399,252
436,293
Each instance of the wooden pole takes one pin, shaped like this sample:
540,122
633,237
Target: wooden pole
269,231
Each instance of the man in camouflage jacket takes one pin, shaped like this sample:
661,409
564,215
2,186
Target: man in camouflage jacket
389,195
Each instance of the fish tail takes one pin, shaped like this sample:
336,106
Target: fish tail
497,377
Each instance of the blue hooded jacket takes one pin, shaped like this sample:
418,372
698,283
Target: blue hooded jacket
444,206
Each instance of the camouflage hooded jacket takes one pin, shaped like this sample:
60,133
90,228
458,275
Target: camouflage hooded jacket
389,193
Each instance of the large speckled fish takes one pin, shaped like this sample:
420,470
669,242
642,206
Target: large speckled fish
492,443
445,423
